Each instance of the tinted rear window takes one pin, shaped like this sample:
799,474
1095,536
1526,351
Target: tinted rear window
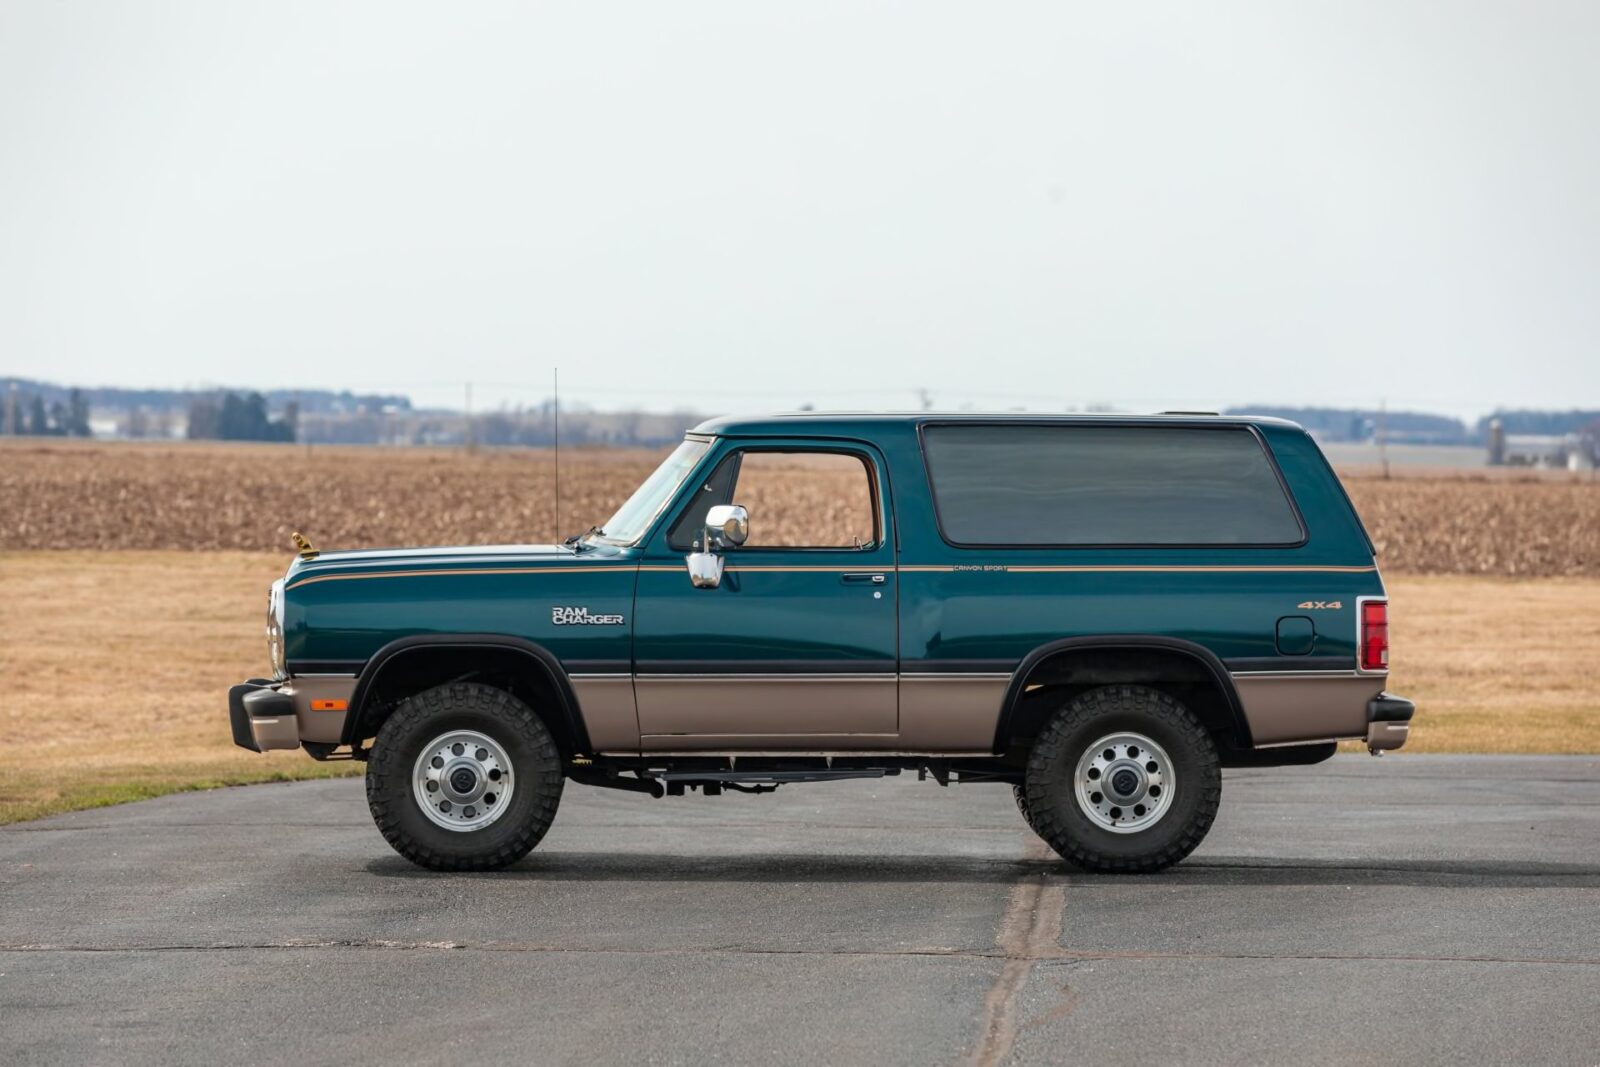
1106,485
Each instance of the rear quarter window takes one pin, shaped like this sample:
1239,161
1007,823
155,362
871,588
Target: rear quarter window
1107,485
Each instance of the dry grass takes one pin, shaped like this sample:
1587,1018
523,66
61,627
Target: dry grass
64,494
114,668
1497,665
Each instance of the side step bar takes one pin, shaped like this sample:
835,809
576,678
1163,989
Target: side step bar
732,777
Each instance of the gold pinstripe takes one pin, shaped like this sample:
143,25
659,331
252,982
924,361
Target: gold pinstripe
312,579
909,568
1154,568
860,567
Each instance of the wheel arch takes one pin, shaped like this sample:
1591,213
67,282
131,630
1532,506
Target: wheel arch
413,664
1110,659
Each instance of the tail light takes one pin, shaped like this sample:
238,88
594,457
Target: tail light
1374,635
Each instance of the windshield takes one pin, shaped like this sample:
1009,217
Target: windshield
633,518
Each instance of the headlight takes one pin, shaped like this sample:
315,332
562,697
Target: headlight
275,630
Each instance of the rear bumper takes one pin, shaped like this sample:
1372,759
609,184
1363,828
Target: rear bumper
279,715
1388,722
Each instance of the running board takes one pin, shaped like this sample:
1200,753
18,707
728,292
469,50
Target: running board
731,777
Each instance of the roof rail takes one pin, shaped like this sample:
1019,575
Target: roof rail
1188,413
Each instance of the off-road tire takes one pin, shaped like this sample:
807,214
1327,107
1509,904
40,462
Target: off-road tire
463,706
1020,791
1051,773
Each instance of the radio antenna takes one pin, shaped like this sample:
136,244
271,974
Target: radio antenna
555,412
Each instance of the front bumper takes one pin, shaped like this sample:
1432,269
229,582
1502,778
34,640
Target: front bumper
278,715
1388,722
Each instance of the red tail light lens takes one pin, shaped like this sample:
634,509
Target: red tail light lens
1374,635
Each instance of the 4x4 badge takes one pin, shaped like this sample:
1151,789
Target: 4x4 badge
1319,605
582,617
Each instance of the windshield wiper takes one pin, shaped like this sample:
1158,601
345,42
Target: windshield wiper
576,540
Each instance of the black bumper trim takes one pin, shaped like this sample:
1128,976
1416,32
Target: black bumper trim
1386,707
268,704
252,700
239,719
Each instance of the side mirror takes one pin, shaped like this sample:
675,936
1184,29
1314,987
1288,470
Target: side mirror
705,570
730,522
727,524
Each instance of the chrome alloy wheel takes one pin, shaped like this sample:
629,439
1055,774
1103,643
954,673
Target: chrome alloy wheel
462,780
1124,783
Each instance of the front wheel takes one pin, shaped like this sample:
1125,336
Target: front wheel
463,778
1123,779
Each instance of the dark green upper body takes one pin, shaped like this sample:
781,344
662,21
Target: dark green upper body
603,607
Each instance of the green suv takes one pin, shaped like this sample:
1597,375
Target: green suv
1100,611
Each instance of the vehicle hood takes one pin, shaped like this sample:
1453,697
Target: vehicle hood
386,560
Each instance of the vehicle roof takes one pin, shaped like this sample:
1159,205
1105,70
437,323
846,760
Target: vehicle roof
802,422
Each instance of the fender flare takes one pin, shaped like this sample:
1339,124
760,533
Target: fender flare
537,655
1199,653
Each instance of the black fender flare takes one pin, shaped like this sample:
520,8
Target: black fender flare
537,655
1197,652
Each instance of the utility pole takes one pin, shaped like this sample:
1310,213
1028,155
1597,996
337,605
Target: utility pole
11,408
472,442
555,421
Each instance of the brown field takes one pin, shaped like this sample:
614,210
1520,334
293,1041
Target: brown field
115,654
249,497
1515,528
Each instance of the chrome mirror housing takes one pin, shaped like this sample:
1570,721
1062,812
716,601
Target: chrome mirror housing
726,524
729,522
705,569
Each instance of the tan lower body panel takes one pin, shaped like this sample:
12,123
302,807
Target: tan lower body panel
950,712
605,701
816,710
1284,707
934,713
314,725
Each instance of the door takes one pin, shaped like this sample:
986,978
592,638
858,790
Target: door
795,649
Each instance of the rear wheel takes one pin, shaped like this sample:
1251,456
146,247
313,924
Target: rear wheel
1021,793
464,778
1123,779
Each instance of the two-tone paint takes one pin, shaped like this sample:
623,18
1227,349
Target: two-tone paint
909,645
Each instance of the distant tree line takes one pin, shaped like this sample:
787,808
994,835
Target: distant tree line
1363,424
176,401
1416,427
29,415
232,417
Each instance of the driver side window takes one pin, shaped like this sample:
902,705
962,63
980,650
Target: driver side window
796,499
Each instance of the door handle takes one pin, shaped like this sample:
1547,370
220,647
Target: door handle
861,576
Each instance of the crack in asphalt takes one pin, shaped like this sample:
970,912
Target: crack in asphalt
1030,930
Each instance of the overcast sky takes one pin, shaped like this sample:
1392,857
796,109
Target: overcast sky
757,205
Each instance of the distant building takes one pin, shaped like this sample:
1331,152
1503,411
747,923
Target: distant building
1570,451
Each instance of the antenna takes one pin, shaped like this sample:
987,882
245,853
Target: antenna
555,413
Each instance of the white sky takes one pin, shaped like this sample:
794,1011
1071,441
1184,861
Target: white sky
739,206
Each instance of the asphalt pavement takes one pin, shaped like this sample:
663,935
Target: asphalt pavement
1409,909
